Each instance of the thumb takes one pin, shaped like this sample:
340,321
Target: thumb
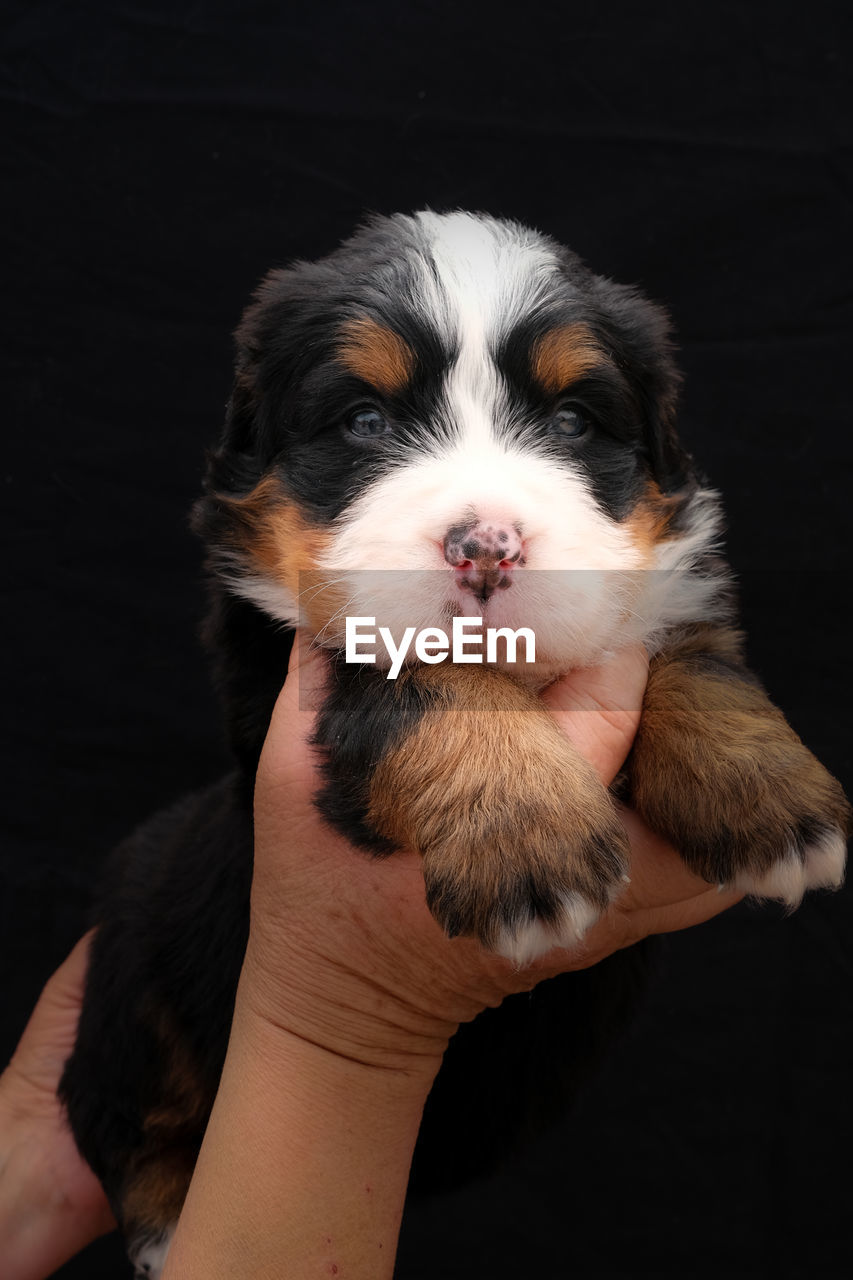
599,708
288,759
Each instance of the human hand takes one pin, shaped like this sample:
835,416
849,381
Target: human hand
348,996
51,1204
343,954
343,950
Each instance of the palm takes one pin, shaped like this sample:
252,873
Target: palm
60,1205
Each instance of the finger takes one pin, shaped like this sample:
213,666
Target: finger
599,708
287,753
307,672
658,874
686,914
49,1035
619,929
63,991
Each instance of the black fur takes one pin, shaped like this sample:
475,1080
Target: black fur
363,718
173,916
172,928
173,912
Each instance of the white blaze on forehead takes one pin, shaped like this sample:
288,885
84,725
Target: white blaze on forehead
482,276
476,280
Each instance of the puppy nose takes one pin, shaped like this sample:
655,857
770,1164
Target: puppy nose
484,554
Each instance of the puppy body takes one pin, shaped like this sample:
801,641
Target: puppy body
449,417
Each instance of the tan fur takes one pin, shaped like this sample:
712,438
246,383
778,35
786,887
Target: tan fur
184,1101
503,809
563,355
275,540
649,522
377,355
156,1188
160,1171
716,768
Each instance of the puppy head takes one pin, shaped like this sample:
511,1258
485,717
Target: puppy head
450,415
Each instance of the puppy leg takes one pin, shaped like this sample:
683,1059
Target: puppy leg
522,846
717,770
148,1252
151,1202
138,1094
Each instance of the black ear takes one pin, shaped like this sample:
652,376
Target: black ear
233,469
248,650
641,342
235,466
245,448
239,447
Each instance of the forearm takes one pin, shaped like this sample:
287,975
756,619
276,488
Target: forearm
304,1166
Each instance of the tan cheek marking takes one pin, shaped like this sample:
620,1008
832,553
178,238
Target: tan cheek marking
377,355
648,524
274,537
563,355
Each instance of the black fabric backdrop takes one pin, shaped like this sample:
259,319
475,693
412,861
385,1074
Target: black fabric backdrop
158,158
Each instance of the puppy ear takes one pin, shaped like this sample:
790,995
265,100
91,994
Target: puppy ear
233,469
243,451
235,466
642,344
240,430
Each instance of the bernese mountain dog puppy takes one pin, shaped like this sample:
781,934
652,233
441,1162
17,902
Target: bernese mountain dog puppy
449,418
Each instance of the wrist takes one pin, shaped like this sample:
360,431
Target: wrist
45,1217
351,1026
305,1159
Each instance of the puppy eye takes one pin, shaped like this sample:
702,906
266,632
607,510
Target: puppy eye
367,424
568,422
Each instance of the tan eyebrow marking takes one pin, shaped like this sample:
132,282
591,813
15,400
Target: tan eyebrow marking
376,354
563,355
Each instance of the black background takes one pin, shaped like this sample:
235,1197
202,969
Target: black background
158,158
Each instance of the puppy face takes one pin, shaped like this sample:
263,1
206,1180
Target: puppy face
451,416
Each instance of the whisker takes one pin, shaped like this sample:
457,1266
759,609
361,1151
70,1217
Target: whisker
337,614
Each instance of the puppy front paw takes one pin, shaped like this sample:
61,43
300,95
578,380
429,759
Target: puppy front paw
522,845
814,858
523,880
778,831
756,812
718,771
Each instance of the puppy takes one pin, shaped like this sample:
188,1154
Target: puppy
449,425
